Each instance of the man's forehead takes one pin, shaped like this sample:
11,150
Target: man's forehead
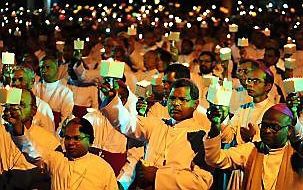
181,91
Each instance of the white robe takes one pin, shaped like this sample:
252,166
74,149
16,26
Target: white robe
59,97
168,148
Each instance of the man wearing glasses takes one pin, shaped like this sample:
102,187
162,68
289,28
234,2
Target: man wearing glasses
271,163
77,169
173,144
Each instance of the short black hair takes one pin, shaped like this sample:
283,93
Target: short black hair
85,127
180,70
194,91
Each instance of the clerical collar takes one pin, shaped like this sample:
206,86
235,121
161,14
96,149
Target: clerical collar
50,84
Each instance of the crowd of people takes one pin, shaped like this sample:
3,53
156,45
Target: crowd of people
204,121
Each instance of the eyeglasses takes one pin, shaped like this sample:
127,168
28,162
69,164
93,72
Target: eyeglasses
254,81
272,127
75,138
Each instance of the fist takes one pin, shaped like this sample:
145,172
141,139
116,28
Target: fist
247,134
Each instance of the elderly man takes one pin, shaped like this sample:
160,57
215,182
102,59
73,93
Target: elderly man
267,164
174,155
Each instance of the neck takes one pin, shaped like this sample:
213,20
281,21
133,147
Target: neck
28,123
259,98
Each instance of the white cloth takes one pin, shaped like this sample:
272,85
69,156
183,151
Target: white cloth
237,157
44,116
59,97
167,147
10,155
248,113
85,96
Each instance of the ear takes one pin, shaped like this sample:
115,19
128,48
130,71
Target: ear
196,103
268,86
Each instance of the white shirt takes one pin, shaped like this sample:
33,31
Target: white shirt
59,97
44,116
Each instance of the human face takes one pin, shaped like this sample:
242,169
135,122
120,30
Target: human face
270,57
76,143
242,71
206,65
256,86
167,81
49,70
21,80
274,129
180,104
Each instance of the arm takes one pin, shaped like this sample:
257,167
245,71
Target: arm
234,157
128,172
68,104
123,121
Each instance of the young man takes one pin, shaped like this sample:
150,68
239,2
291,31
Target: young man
51,90
174,155
267,164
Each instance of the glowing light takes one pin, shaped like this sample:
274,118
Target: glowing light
171,16
70,19
270,5
140,36
207,11
57,28
228,36
188,25
226,19
251,7
99,20
119,19
213,7
87,39
239,2
259,9
80,19
107,30
170,24
298,23
99,5
285,6
199,19
130,1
